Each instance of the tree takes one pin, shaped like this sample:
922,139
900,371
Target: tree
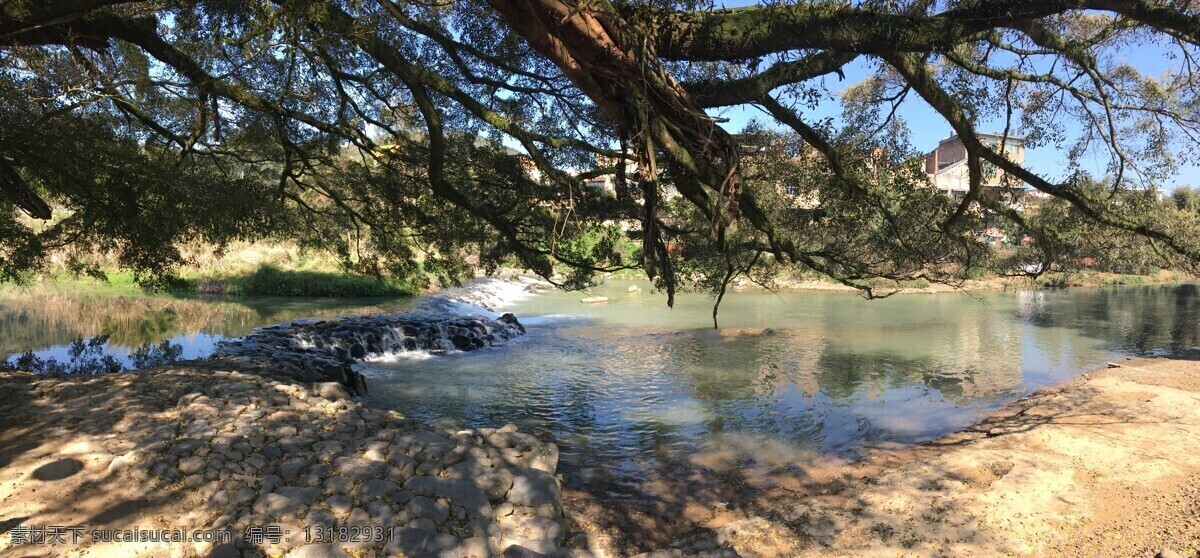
1186,198
262,101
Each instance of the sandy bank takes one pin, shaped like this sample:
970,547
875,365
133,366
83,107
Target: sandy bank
1106,465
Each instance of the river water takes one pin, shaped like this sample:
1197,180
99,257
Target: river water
635,393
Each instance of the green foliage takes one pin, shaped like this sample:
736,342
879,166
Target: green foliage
271,281
414,140
1073,241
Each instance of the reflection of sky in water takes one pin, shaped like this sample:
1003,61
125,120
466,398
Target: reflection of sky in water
46,321
630,389
636,387
193,345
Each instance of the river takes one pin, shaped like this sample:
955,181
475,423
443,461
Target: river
636,394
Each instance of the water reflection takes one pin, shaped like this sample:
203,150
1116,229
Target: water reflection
632,391
48,321
637,395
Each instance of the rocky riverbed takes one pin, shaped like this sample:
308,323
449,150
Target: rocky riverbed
313,351
221,445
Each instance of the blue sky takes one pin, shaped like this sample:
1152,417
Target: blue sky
928,128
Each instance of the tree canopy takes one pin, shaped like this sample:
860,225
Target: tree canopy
436,129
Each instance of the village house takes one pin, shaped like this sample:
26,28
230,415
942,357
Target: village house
946,166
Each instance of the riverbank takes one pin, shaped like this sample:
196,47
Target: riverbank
1056,280
216,445
1108,464
1105,465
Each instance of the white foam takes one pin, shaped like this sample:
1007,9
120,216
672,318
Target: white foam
482,296
402,356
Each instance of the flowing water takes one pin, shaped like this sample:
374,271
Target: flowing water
636,394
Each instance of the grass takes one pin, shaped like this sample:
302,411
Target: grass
253,269
272,281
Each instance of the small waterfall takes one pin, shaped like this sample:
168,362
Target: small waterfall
314,350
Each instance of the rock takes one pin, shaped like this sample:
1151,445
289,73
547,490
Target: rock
544,458
517,440
536,489
509,318
358,351
225,550
422,506
191,465
420,542
495,484
318,551
518,551
291,469
423,441
286,501
320,518
381,511
375,489
402,497
338,485
665,553
519,527
340,503
461,492
332,391
357,468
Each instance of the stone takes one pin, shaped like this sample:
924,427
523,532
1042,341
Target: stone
318,551
340,503
381,511
543,458
225,550
519,441
291,469
375,489
191,465
423,441
461,492
664,553
332,391
358,469
321,518
504,509
535,489
338,485
522,527
422,506
495,484
286,501
519,551
420,542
